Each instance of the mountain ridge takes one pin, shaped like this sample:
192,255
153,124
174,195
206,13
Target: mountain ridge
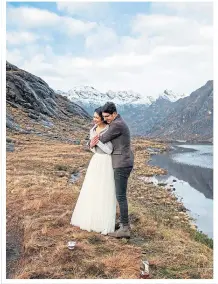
151,117
168,117
118,97
191,116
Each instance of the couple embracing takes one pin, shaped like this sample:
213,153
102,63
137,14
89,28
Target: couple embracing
106,177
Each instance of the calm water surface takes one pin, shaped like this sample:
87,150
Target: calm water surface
192,168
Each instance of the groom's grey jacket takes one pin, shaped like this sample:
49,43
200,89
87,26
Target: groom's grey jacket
118,133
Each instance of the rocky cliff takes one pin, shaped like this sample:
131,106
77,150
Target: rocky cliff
31,103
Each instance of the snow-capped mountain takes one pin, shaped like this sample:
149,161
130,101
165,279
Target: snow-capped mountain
171,96
129,97
86,94
89,95
141,112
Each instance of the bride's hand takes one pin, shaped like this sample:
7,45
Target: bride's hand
94,141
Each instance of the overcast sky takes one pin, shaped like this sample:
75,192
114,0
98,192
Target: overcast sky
144,47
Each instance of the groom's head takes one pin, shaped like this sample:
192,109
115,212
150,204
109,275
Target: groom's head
109,112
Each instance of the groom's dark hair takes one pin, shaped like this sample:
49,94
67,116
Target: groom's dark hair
109,107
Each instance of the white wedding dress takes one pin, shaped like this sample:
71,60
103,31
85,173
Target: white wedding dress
95,209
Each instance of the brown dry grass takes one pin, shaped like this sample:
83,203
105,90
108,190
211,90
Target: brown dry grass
40,204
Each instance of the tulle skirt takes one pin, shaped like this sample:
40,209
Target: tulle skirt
95,209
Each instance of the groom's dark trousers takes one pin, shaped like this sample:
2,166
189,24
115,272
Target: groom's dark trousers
121,176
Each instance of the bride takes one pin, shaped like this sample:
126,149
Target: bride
95,209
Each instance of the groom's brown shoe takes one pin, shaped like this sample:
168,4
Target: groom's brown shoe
122,232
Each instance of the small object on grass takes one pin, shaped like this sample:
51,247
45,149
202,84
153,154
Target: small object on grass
162,184
71,244
74,177
76,142
145,270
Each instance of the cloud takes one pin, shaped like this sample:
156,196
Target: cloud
33,18
179,68
102,41
168,48
171,30
74,27
17,37
151,24
15,57
88,10
199,11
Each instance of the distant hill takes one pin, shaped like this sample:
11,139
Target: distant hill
188,118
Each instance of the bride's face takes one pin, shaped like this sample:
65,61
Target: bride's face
97,119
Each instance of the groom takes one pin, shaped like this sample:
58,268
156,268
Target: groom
122,161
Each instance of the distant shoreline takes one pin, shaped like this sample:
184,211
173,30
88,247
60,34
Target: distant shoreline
176,141
198,177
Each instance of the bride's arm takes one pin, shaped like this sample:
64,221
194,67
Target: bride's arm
90,138
107,147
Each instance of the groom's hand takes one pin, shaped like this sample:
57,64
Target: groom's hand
94,141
